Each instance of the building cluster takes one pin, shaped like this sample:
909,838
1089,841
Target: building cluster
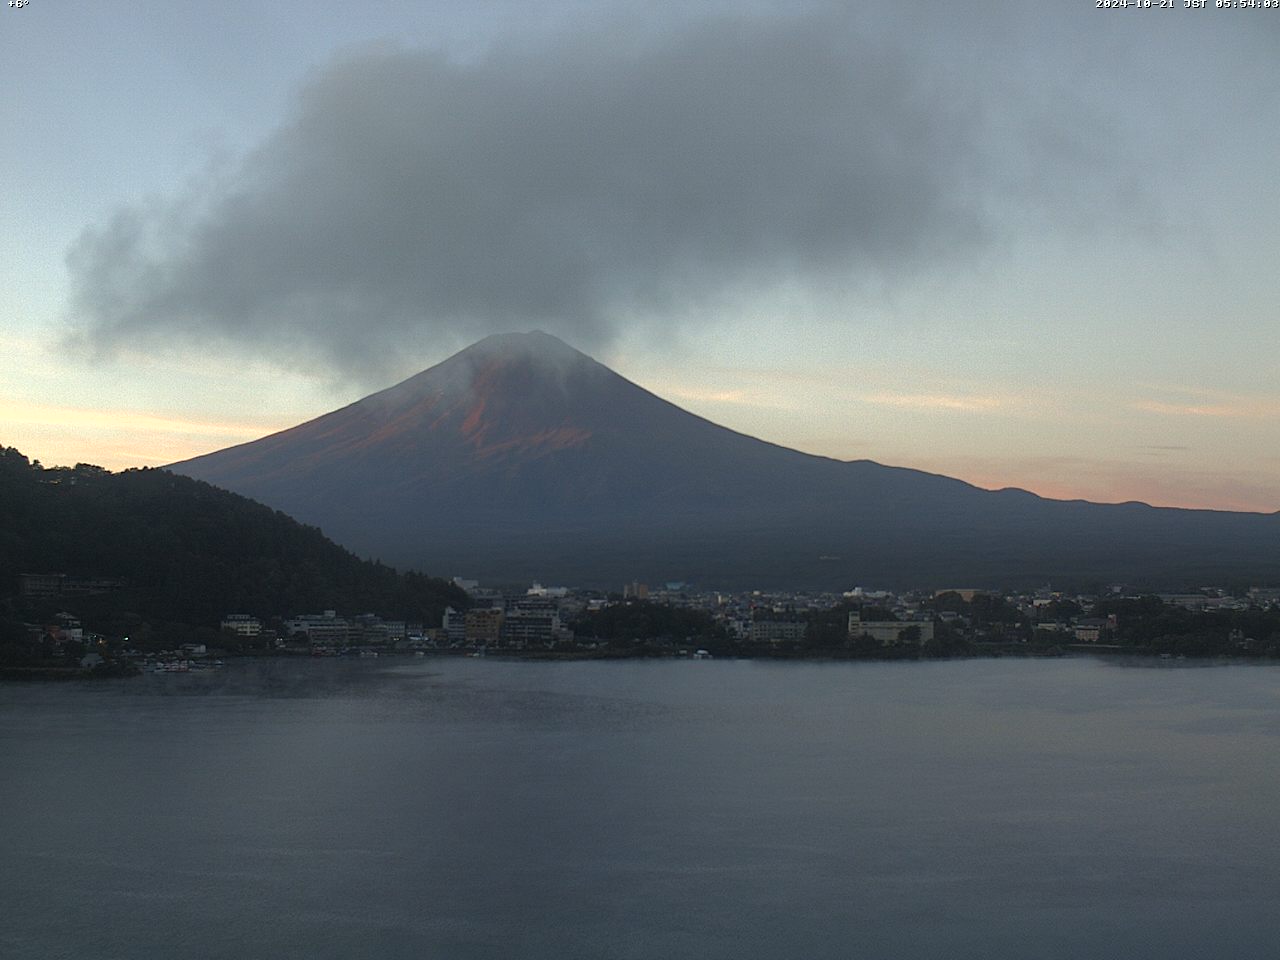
889,619
324,632
535,618
784,618
543,618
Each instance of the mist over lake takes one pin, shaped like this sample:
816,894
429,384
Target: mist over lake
462,808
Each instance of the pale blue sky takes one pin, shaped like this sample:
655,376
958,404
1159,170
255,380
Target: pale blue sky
1042,253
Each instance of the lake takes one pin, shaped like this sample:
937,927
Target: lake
462,808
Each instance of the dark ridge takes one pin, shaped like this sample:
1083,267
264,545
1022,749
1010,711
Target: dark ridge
186,553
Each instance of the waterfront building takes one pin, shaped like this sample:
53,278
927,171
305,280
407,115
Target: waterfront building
888,632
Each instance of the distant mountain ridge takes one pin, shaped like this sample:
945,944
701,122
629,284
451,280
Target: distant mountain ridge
520,457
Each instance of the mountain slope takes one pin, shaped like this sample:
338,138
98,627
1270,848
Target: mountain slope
521,457
186,552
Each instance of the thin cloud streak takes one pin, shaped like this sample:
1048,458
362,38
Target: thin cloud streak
935,402
1239,409
737,398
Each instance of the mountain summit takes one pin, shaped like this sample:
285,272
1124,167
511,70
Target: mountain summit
520,457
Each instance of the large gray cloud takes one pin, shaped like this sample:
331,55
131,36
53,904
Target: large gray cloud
570,185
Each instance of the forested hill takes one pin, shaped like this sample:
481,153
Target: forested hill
185,552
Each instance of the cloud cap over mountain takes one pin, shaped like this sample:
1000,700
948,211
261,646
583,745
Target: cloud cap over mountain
580,183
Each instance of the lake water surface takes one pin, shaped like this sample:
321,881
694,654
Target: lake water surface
478,809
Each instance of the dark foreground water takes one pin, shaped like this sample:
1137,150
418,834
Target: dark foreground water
468,809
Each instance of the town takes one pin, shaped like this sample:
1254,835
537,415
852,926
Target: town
673,620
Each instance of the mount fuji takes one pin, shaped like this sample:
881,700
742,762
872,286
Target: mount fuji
521,457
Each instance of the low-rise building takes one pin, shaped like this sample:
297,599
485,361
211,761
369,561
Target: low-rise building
322,629
242,625
890,632
1092,629
768,630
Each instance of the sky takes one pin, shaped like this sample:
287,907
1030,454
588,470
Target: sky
1020,246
